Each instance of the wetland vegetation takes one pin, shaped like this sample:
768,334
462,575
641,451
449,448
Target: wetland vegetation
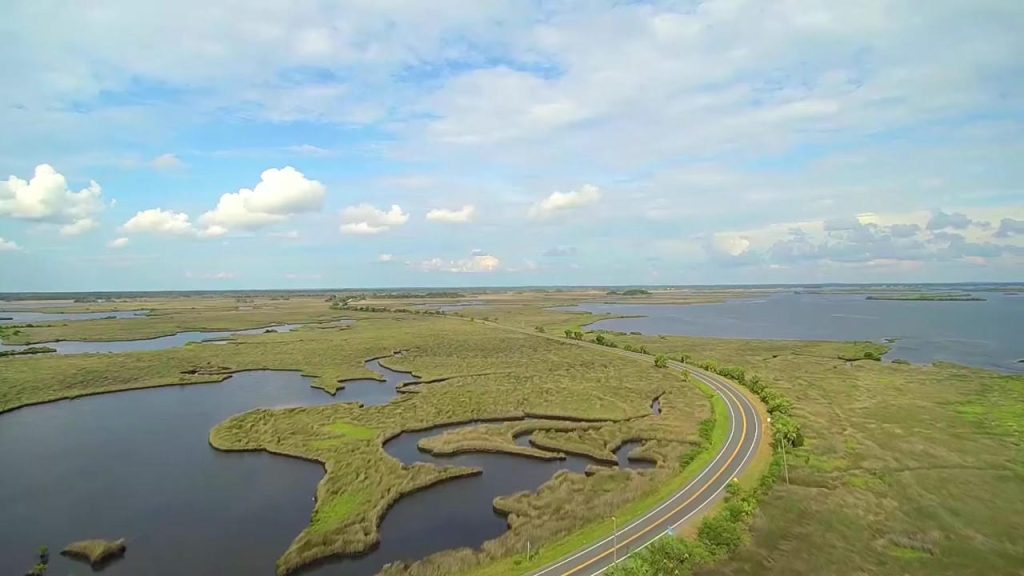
898,469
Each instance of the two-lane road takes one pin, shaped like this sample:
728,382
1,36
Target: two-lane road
746,431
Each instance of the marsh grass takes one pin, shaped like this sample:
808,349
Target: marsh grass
479,373
906,469
96,552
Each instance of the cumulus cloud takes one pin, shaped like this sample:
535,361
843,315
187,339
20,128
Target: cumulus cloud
559,202
460,216
159,222
166,162
365,219
729,245
8,245
46,198
118,242
942,221
1010,227
861,241
478,262
279,195
385,258
78,227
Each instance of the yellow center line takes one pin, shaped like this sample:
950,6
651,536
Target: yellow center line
739,445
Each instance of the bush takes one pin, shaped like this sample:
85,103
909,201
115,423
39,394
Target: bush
661,361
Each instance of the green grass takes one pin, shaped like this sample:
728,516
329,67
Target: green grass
353,431
897,458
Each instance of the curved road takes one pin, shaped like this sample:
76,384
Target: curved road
746,431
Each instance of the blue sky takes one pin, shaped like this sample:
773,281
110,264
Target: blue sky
401,143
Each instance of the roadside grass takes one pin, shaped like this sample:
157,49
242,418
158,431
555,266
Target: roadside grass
702,453
906,469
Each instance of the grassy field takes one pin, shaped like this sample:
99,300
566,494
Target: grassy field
476,372
906,470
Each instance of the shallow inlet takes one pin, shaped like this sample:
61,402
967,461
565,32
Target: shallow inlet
137,464
162,343
20,317
981,333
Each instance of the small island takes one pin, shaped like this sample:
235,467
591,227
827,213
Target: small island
927,297
96,552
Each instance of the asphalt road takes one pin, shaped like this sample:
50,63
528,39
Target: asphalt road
745,433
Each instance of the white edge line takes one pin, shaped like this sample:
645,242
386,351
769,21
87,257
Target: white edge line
679,494
743,463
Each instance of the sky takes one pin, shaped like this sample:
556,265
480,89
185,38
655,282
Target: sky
386,143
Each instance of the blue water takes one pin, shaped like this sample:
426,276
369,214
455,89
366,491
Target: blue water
985,334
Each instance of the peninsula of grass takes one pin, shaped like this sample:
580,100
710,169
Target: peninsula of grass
28,351
96,552
926,297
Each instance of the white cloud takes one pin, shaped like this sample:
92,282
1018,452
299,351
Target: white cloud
46,198
166,162
279,195
287,235
118,242
559,202
730,245
475,263
365,219
213,231
385,258
8,245
78,227
460,216
159,221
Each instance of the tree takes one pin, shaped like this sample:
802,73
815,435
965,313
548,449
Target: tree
568,332
661,361
577,335
599,339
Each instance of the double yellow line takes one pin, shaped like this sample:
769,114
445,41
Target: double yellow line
704,488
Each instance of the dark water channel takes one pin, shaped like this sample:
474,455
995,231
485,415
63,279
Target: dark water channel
162,343
986,334
137,464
